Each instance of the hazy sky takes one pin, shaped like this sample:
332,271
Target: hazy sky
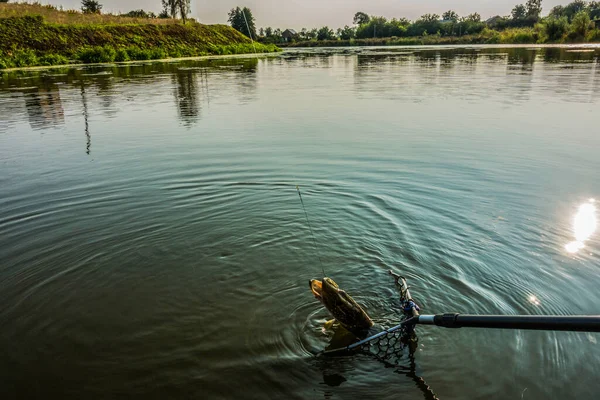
315,13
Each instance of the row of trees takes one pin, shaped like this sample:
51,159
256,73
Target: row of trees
527,14
571,10
559,21
574,20
365,27
171,9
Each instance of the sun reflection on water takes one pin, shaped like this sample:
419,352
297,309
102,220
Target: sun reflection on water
584,225
534,300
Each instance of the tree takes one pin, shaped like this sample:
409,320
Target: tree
430,18
580,24
574,8
360,18
498,22
91,7
556,28
325,33
402,21
303,34
346,33
170,8
557,12
175,7
398,27
534,9
519,12
450,16
594,10
475,17
268,31
242,20
427,24
184,8
3,1
376,27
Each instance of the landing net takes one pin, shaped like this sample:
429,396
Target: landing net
387,345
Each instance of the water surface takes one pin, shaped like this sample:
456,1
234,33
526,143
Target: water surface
152,243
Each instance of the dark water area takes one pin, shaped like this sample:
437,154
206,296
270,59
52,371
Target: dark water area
153,245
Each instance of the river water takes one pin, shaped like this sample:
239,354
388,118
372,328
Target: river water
153,245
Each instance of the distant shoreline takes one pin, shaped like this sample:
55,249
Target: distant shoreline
583,46
509,38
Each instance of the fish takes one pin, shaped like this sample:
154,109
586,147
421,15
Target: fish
346,311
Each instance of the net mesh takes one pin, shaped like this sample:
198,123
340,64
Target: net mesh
387,346
390,347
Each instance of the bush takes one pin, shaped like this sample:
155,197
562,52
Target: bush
53,59
138,54
4,63
470,27
175,53
519,36
121,55
183,51
158,54
580,25
140,14
593,36
556,28
24,58
217,50
98,54
490,36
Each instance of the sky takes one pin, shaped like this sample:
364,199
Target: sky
298,14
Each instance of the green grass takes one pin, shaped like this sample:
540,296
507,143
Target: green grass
55,15
30,41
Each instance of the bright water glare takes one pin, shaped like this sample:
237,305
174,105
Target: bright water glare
153,245
584,225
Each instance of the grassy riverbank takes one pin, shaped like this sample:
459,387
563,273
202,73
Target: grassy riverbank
31,40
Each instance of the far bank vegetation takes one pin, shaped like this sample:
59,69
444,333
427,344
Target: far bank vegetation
576,22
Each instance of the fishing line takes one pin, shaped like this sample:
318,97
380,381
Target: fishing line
249,33
311,231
